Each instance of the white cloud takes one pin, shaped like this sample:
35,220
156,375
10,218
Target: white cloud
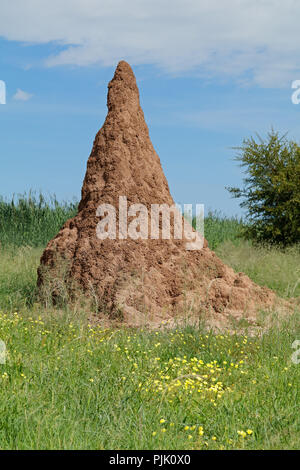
253,41
21,95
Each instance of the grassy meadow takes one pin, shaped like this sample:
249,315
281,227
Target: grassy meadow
67,384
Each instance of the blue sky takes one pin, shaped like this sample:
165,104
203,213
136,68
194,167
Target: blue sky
197,104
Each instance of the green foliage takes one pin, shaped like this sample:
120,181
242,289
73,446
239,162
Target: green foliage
32,219
218,228
271,192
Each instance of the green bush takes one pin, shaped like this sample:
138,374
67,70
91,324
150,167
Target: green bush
271,192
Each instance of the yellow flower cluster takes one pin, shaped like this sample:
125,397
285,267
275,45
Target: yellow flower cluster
244,434
199,429
181,377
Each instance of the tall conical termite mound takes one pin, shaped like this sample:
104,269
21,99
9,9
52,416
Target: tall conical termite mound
138,279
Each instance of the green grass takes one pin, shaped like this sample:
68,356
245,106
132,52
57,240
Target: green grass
32,220
218,228
18,277
69,385
278,269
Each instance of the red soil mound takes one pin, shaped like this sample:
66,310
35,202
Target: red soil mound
150,279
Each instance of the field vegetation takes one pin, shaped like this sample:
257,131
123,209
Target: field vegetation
68,384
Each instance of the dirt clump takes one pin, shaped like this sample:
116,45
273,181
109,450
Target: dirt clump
140,280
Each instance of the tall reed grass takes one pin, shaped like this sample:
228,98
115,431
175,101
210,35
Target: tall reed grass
32,219
219,228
